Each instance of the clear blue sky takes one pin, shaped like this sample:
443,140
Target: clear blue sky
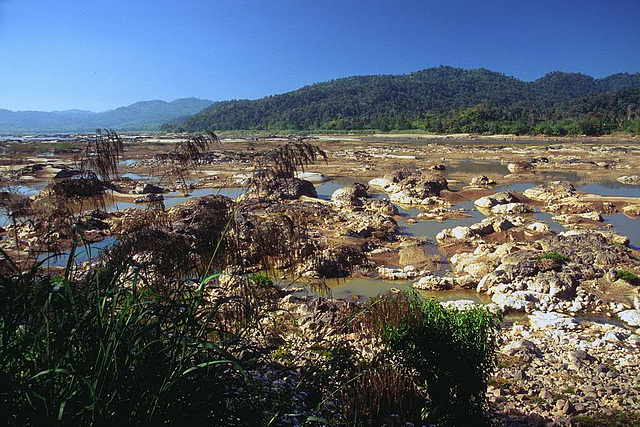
101,54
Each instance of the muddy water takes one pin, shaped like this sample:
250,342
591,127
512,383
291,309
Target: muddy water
488,167
362,288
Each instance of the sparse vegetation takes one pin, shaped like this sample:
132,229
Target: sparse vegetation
553,256
612,419
627,276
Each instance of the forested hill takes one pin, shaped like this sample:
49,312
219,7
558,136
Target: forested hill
442,99
145,115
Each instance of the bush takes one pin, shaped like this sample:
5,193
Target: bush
261,279
453,351
627,276
553,256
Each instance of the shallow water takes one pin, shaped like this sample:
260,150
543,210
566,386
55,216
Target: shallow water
488,167
429,228
518,188
176,198
138,177
364,288
546,218
368,287
625,226
326,189
611,188
88,253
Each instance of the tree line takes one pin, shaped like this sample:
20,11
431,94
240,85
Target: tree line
441,100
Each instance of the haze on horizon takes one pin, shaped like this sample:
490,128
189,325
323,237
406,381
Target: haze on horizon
101,55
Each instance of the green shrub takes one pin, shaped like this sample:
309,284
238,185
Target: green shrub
627,276
261,279
554,256
453,351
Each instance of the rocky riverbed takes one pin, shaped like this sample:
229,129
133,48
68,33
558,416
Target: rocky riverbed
504,222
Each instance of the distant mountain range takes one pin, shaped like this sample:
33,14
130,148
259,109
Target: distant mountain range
441,99
146,115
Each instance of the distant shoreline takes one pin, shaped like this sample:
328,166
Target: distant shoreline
373,134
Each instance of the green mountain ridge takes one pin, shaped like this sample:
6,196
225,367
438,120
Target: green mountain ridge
440,99
145,115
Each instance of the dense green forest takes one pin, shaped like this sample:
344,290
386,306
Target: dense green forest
441,100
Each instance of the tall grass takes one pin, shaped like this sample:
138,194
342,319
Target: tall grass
93,352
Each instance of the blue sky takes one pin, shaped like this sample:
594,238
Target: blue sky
98,55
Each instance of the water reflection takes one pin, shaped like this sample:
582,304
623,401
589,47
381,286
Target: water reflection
430,228
626,226
364,288
489,167
611,188
85,253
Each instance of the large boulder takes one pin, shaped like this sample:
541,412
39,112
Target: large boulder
435,283
315,177
408,186
553,191
501,198
334,262
147,188
405,273
369,225
511,209
350,196
67,173
630,179
632,317
289,189
381,207
482,181
519,301
149,198
520,167
632,211
552,320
